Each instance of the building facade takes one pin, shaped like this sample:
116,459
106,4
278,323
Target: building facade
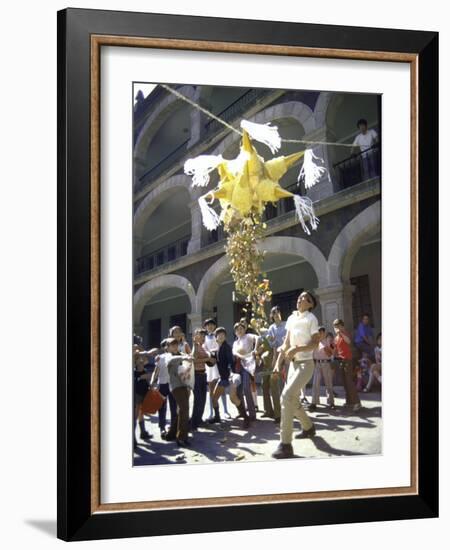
181,274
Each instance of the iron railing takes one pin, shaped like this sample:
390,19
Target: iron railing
271,211
211,127
163,165
358,168
162,256
235,109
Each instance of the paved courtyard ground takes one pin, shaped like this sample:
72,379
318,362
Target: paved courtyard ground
338,433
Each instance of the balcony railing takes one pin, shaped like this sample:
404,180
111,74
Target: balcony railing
358,168
283,206
164,255
233,111
271,211
163,165
214,236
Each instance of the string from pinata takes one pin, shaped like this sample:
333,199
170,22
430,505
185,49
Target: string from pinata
235,130
200,167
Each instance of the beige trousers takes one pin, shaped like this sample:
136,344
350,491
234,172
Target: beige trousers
300,373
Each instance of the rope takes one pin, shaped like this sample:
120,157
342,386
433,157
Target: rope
235,130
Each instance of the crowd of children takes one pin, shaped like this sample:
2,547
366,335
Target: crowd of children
215,370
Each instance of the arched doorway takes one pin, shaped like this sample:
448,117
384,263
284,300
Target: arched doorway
291,264
164,301
162,229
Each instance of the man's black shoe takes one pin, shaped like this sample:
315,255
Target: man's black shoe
304,434
284,450
312,407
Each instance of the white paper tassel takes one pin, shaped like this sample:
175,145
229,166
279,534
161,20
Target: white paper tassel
236,165
310,171
209,215
200,167
265,133
305,211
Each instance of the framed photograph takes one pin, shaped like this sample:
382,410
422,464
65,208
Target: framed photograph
247,218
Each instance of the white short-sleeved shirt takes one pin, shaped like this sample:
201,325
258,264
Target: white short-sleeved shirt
365,141
245,346
301,327
163,376
210,343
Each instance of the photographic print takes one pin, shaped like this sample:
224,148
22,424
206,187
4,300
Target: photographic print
225,287
256,274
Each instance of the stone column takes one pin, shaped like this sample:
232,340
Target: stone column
336,303
196,127
195,321
195,243
196,120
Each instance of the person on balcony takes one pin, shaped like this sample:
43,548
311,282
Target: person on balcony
365,140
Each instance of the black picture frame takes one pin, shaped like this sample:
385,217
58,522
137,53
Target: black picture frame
76,518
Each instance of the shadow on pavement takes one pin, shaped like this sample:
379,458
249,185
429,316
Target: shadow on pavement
322,445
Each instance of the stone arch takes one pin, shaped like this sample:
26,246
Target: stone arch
162,111
290,109
348,242
151,202
287,245
321,108
146,292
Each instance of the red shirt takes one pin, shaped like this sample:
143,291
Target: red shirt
343,350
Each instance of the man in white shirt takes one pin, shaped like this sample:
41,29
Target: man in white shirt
365,140
301,340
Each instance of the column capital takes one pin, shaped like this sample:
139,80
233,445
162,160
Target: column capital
195,321
334,291
336,303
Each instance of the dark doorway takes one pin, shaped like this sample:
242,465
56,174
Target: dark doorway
179,320
154,333
286,301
